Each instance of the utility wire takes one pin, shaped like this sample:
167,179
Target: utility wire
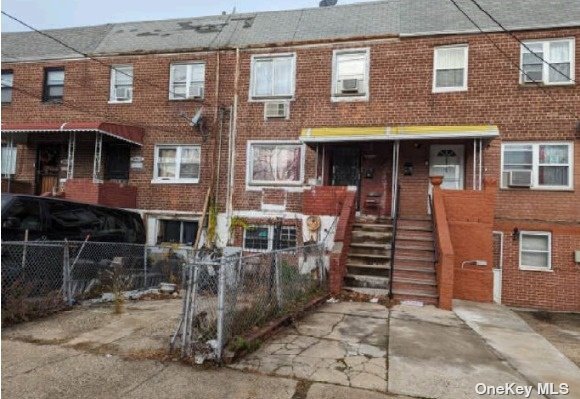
521,42
507,57
106,116
12,17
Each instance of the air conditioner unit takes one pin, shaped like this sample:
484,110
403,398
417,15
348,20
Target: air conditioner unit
123,93
349,86
195,91
520,178
276,109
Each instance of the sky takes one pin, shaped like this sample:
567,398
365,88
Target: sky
50,14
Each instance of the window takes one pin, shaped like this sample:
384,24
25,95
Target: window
7,81
350,73
8,159
550,164
177,231
535,250
450,69
176,164
272,76
261,238
186,81
121,84
257,238
275,163
23,214
559,65
53,89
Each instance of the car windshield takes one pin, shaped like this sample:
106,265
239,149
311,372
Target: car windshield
5,200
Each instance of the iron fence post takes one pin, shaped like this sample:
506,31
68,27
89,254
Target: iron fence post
145,266
279,296
221,310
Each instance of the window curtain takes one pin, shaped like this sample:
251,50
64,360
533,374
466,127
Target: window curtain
560,60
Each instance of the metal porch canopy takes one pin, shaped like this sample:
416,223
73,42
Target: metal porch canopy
396,133
130,134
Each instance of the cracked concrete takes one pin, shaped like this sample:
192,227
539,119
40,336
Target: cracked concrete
341,343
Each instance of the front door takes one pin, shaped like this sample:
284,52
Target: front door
346,167
447,161
47,168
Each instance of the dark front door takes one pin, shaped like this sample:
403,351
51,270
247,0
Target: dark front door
117,159
47,167
346,167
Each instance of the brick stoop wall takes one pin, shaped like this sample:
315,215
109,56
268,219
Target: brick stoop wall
106,193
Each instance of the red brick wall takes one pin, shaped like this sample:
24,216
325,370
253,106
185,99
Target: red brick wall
324,200
342,238
107,193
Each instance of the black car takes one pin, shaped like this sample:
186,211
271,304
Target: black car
56,219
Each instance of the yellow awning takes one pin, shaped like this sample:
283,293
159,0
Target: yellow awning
388,133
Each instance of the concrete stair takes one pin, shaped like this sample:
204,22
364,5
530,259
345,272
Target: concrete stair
414,276
369,258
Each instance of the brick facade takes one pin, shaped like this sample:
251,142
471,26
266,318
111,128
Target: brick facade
400,94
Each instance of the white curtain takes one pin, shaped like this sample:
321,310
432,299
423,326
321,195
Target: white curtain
451,58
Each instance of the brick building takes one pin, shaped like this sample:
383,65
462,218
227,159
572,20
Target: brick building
274,114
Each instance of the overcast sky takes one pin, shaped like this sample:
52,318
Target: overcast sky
49,14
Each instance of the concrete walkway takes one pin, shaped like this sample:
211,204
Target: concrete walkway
433,354
340,343
536,358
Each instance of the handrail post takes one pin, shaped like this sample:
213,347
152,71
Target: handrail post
393,240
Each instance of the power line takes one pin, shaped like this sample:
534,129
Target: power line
80,109
84,54
507,57
521,42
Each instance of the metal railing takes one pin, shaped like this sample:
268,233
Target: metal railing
394,240
40,277
227,299
434,223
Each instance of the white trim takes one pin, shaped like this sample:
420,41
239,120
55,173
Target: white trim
266,184
187,80
536,268
174,180
436,89
546,56
333,86
252,98
499,233
113,80
535,165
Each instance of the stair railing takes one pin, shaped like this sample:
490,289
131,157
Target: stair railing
434,223
394,240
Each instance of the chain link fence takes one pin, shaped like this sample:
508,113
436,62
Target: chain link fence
40,277
227,299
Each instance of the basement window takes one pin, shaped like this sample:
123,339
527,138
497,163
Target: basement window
535,250
177,164
261,238
177,231
275,163
558,68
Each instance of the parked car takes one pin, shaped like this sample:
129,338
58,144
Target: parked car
56,219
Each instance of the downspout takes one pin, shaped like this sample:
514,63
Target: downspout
232,141
480,163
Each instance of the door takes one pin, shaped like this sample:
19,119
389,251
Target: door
117,159
447,161
47,168
346,168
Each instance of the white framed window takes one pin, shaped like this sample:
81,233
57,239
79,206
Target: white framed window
535,250
177,164
121,84
186,80
273,76
350,74
176,231
275,163
450,68
559,66
7,81
550,164
261,238
8,159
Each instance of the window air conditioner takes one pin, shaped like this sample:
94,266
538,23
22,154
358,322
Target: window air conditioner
195,91
122,93
276,109
349,86
520,178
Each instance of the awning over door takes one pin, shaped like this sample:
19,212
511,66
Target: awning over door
131,134
396,133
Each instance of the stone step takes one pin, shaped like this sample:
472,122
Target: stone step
356,280
416,274
373,219
415,285
372,235
372,227
410,296
414,246
374,292
370,245
423,254
423,236
364,265
402,261
421,225
368,256
416,217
